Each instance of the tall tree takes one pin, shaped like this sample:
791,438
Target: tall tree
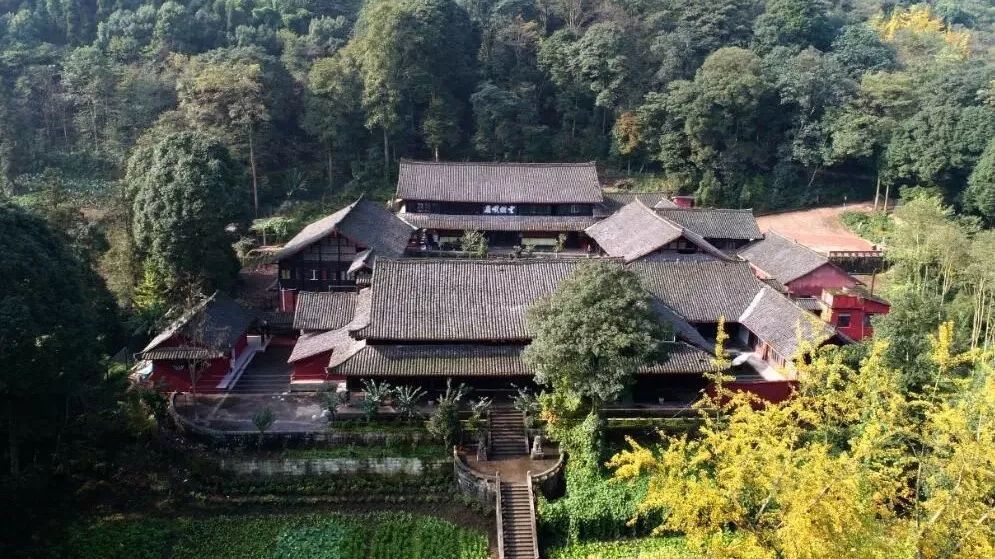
52,333
980,193
226,97
411,52
593,333
333,112
185,194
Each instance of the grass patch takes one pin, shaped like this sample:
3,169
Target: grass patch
362,451
655,548
874,226
325,536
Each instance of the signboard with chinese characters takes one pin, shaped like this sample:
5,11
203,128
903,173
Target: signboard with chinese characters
496,209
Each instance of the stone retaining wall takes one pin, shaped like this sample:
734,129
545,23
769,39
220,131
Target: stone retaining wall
324,466
481,487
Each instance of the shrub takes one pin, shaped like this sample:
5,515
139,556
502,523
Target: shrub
657,548
594,508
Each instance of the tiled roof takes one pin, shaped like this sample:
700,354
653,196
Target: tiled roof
700,291
457,360
340,342
549,223
181,353
277,319
778,321
458,300
479,360
614,201
681,358
713,223
364,222
502,183
781,258
636,230
310,344
217,321
324,310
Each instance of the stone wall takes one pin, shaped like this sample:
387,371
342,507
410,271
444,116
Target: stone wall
481,487
320,466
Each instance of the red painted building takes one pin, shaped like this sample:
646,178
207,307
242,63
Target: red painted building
324,319
851,311
800,270
210,344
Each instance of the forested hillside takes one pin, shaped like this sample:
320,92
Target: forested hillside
742,102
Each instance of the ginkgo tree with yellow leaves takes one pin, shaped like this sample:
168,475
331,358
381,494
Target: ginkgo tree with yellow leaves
916,30
850,467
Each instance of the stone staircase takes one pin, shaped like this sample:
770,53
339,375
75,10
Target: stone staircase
508,438
267,373
518,522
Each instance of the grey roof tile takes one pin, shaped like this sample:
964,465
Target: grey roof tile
503,183
479,360
637,230
715,223
324,310
458,300
455,360
615,201
782,258
782,324
218,321
700,291
364,222
547,223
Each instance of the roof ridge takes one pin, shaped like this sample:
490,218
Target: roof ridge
790,240
499,163
698,209
652,212
685,232
490,261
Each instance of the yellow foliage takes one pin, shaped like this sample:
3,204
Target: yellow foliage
918,22
849,467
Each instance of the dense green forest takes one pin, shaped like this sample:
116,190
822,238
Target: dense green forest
755,103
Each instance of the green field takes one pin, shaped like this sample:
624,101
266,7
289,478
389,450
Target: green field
641,548
320,536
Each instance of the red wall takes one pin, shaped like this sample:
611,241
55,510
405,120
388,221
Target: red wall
826,276
858,308
169,379
773,391
312,368
288,300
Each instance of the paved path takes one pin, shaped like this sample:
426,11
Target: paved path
818,228
233,412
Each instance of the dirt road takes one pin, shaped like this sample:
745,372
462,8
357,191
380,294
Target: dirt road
818,228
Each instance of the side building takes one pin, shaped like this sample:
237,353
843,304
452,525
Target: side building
338,252
204,349
815,283
514,204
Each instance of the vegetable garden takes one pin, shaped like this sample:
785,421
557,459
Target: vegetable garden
324,536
